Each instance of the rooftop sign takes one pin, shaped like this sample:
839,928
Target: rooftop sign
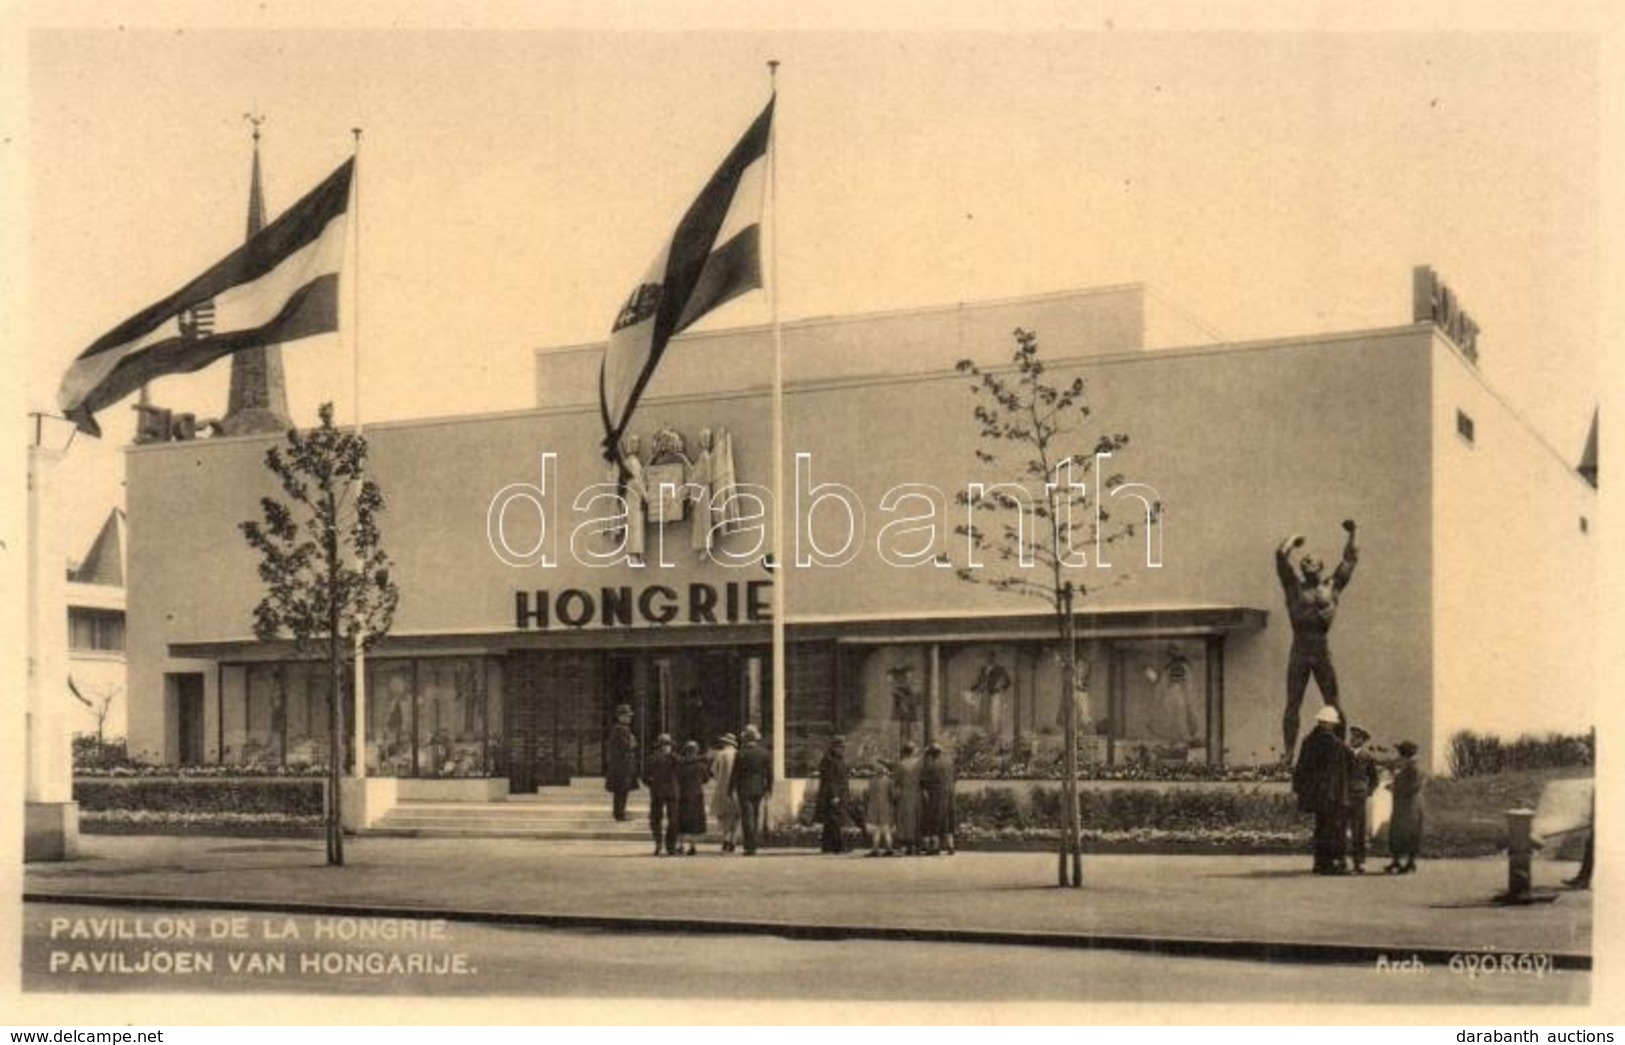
1434,302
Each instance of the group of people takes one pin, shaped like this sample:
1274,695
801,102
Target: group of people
1337,772
908,808
678,800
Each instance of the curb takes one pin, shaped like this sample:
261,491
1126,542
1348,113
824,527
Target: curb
1300,952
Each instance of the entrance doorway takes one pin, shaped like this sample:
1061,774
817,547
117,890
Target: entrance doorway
554,718
189,719
560,704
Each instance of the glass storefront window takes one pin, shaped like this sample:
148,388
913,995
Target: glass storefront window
451,722
1163,703
888,690
390,726
434,717
267,701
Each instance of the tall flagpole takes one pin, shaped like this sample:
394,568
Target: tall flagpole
360,683
781,575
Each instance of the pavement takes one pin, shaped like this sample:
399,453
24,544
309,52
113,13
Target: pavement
1264,907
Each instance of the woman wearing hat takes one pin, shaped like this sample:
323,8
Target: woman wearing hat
692,773
937,808
1320,780
1405,825
909,800
724,806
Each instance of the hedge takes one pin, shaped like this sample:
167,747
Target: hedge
272,796
1464,818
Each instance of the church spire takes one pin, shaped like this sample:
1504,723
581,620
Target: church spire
259,392
256,191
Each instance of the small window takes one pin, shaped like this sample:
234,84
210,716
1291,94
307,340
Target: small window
1585,525
95,631
1464,425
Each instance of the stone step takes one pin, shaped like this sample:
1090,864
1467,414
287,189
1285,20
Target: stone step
452,819
584,835
513,811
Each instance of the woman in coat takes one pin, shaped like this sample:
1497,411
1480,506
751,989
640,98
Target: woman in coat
1405,823
909,800
937,809
724,806
692,774
880,811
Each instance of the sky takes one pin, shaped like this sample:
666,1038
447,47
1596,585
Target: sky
515,182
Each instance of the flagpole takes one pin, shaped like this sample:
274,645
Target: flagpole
781,574
360,683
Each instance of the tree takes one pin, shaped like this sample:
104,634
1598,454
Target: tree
1046,508
326,576
102,707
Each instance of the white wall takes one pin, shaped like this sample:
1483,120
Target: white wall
1243,444
1515,578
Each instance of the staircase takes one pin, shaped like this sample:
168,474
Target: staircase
579,812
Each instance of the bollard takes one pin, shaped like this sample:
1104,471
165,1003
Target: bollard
1518,854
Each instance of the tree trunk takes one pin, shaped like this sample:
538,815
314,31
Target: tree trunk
1070,856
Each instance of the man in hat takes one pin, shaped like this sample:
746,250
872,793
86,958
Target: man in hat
1320,780
664,779
752,782
833,795
1362,773
621,760
1311,604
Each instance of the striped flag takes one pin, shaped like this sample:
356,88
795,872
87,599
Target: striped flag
281,285
713,257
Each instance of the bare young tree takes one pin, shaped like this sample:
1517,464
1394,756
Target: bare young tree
1046,511
326,575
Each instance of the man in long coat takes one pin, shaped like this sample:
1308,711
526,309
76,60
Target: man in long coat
621,760
1320,780
834,795
663,777
752,782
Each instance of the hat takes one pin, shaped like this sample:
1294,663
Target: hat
751,733
882,766
729,740
622,709
933,748
691,747
1405,748
1356,731
664,738
1327,713
837,741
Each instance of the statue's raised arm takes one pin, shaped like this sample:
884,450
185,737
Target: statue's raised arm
1351,557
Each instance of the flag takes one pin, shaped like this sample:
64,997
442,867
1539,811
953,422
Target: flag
281,285
713,257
